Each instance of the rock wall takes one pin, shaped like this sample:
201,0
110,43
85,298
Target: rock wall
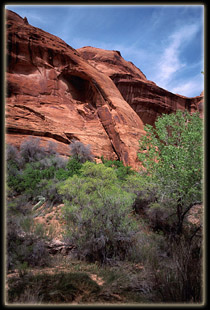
55,94
146,98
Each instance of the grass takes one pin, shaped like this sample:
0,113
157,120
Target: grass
53,288
76,282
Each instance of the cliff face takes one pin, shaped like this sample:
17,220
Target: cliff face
55,94
91,95
144,96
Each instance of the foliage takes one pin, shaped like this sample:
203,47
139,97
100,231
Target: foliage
171,152
12,154
49,189
52,288
37,171
99,217
149,247
98,213
122,171
143,189
32,175
25,244
30,150
13,162
73,166
81,152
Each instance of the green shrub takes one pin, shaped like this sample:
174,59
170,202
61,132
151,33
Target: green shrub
122,171
73,166
144,191
32,175
49,189
98,213
12,169
33,164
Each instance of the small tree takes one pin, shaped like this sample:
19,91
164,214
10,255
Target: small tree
98,213
30,150
80,152
172,152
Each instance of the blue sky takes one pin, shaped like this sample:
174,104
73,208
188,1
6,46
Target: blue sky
165,42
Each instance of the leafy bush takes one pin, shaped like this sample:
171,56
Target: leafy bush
24,244
31,176
98,214
143,190
30,179
81,152
73,166
12,168
13,179
122,171
49,190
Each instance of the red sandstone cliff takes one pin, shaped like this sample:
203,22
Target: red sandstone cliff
91,95
146,98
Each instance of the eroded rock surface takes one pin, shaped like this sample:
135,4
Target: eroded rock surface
55,94
146,98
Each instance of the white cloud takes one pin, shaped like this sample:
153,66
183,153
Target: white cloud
190,88
170,62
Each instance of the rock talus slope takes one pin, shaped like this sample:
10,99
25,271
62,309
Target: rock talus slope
94,96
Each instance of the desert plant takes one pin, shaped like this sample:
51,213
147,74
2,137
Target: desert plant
81,152
122,171
179,277
26,241
98,213
30,150
12,168
49,189
143,189
12,154
51,148
61,287
174,163
53,160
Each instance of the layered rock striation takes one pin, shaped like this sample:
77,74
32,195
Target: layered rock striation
55,94
146,98
94,96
